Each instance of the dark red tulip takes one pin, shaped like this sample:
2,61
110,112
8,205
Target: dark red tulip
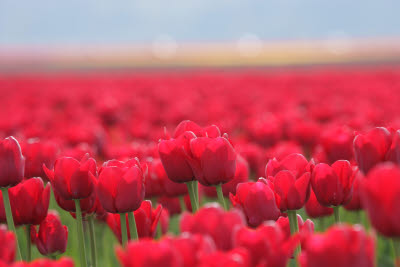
72,179
234,258
371,148
345,246
241,175
333,185
52,237
173,156
146,221
355,202
257,201
36,154
12,163
7,245
267,245
379,193
157,183
63,262
337,143
305,227
192,248
212,220
121,186
149,253
213,160
393,154
29,202
187,126
314,209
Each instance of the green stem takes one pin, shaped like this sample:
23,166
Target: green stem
196,192
158,230
294,228
81,238
9,217
321,224
336,214
132,226
124,230
396,246
192,196
28,243
183,204
92,241
221,196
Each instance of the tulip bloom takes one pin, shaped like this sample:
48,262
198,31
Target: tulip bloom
12,163
173,156
7,245
267,244
379,193
235,258
175,205
72,179
87,205
146,221
29,202
121,186
63,262
257,201
212,220
52,237
355,202
36,154
148,252
192,247
314,209
241,175
337,143
213,160
345,246
371,148
305,227
333,185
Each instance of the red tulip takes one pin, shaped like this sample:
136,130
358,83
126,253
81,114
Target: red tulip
355,202
371,148
213,160
121,186
241,175
7,245
164,221
189,126
257,201
379,193
305,228
337,143
173,156
158,184
333,185
173,204
52,237
297,164
393,154
316,210
63,262
36,154
149,253
345,246
192,248
146,221
29,202
12,163
234,258
267,245
212,220
72,179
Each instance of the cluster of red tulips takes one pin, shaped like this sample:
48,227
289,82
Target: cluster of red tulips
287,144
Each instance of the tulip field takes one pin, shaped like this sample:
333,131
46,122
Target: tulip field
266,167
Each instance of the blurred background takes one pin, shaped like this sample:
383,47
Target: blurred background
134,33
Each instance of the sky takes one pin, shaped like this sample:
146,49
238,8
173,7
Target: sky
52,22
